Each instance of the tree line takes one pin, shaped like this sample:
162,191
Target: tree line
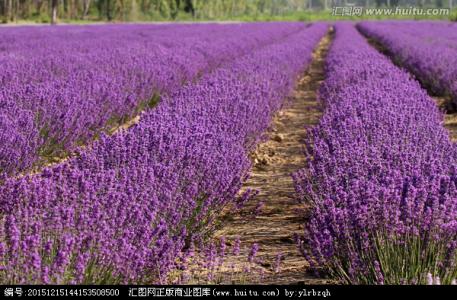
147,10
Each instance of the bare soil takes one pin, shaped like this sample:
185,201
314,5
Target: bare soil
281,217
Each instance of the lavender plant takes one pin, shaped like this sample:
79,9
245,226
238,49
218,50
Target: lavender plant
428,49
70,84
381,174
124,209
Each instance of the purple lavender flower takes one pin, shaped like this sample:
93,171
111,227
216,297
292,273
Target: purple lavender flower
236,246
277,265
258,208
253,252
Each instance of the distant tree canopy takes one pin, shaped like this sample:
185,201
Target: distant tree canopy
147,10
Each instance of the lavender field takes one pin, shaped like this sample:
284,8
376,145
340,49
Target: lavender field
266,153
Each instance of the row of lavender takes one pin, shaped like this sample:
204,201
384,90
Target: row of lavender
124,210
59,87
381,176
428,49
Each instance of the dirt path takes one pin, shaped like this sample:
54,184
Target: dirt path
280,217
